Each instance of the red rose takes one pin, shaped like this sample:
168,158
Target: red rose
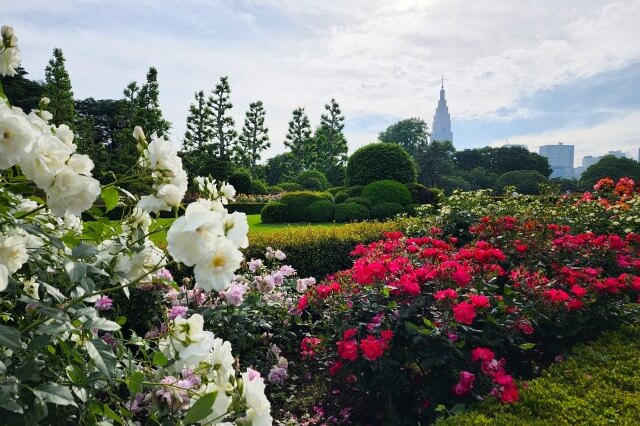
323,291
482,354
578,291
348,350
386,334
302,304
349,334
480,301
334,367
372,348
448,293
461,276
509,395
574,304
464,312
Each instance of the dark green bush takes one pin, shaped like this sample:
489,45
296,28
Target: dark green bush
423,195
525,181
274,212
241,180
297,202
258,186
312,184
450,183
290,186
320,211
599,384
334,190
387,191
380,161
382,211
248,208
355,191
340,197
360,200
351,212
313,174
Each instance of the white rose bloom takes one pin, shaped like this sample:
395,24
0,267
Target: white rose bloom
189,330
48,156
72,223
4,277
45,115
223,357
196,352
38,123
259,412
31,287
106,251
216,270
139,266
71,193
6,31
65,134
237,227
152,204
228,192
9,61
138,133
47,101
191,236
162,155
25,205
16,137
138,219
170,194
221,404
13,252
81,163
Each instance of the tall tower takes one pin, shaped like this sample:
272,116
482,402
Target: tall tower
441,129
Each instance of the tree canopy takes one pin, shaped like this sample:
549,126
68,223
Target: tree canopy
610,166
412,134
501,160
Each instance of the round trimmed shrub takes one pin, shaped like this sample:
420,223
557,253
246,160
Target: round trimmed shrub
241,181
380,161
312,184
297,202
290,186
320,211
383,211
313,174
258,186
334,190
274,212
351,212
387,191
419,193
360,200
274,190
355,191
340,197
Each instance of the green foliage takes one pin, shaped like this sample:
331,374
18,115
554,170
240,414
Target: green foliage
351,212
412,134
299,140
23,92
340,197
609,166
329,142
224,134
204,164
199,133
313,174
297,202
319,211
383,191
435,163
247,208
501,160
382,211
420,194
312,184
379,161
282,168
335,189
360,200
355,191
259,187
241,181
565,185
598,384
57,88
254,137
525,181
289,186
479,178
451,183
274,212
318,251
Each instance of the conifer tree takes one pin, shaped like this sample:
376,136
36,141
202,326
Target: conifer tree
329,142
224,134
146,103
298,138
254,138
58,89
199,134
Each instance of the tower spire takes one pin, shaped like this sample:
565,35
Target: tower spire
442,86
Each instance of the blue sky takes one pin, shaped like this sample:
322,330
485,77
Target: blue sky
531,72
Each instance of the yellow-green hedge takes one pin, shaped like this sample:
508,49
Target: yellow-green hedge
318,251
598,385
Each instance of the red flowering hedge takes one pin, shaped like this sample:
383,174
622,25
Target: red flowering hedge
422,325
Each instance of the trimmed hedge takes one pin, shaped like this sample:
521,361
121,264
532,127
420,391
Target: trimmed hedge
382,211
313,174
312,184
360,200
387,191
379,161
296,203
351,212
340,197
598,384
355,191
290,186
119,212
320,211
317,251
334,190
274,212
248,208
242,181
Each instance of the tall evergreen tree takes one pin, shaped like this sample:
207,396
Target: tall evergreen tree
23,92
224,133
58,89
254,138
330,143
147,112
199,134
298,138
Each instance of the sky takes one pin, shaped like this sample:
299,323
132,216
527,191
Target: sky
521,72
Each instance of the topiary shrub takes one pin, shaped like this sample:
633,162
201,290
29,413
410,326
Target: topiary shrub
382,211
340,197
436,196
420,193
297,202
355,191
313,174
387,191
241,180
351,212
360,200
380,161
320,211
450,183
334,190
274,190
290,186
258,186
274,212
312,184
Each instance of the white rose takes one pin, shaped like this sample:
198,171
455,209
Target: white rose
139,266
64,133
222,356
228,191
189,330
138,133
259,412
9,60
13,252
152,204
71,193
4,277
31,288
16,137
195,352
215,271
81,163
191,236
237,227
48,156
221,404
170,194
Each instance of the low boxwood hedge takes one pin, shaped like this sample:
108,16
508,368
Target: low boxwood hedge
297,202
351,212
360,200
320,211
598,384
387,191
274,212
384,211
340,197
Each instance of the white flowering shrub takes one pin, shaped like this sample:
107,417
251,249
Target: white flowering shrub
61,359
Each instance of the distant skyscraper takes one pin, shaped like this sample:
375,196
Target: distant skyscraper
589,160
560,158
441,129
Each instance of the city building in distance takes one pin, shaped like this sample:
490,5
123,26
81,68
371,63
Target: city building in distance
441,129
560,158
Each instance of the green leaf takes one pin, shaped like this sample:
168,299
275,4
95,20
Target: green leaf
102,324
39,341
76,375
134,382
76,271
112,415
9,337
121,320
411,327
527,346
11,406
55,394
201,409
159,359
83,250
428,323
110,197
102,356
